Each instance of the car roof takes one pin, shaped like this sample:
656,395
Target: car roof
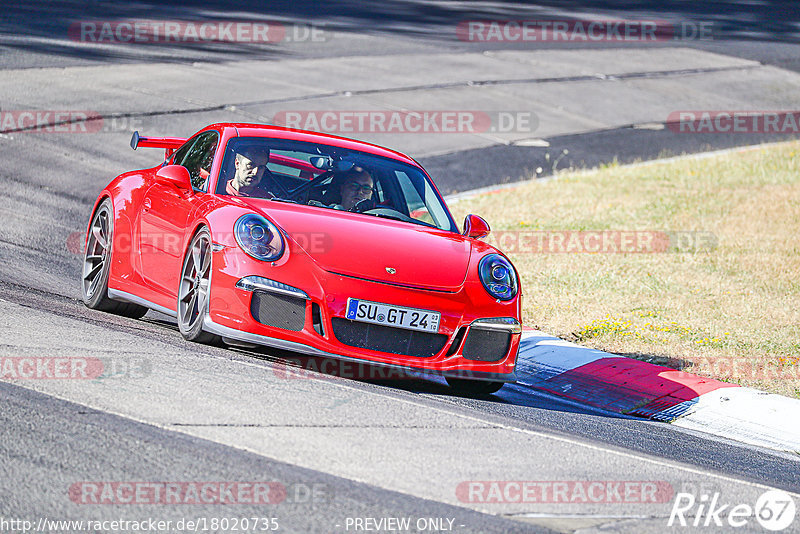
267,130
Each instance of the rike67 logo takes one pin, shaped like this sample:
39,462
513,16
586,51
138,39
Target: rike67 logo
774,510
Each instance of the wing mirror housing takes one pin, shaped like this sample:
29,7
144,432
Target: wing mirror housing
176,175
475,227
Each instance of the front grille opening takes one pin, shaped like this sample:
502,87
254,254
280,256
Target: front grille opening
316,319
279,311
387,338
486,345
457,341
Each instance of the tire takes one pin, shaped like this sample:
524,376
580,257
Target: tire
97,263
194,288
477,388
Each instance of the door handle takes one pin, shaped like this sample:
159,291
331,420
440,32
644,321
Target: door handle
147,204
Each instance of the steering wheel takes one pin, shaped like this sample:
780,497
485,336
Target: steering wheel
280,189
364,205
388,213
302,193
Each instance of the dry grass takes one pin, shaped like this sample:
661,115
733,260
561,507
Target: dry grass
732,312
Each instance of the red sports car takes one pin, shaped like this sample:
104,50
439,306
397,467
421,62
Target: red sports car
308,242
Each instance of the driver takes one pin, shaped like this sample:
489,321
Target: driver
355,185
250,165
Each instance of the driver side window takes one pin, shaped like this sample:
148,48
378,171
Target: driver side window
197,157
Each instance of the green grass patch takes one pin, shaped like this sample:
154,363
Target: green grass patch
734,300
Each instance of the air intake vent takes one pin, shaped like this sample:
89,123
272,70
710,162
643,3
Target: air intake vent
459,337
279,311
486,345
316,319
387,338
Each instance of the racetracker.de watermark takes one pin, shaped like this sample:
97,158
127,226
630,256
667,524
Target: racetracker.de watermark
65,121
735,368
73,368
198,492
40,368
409,121
564,491
319,368
142,31
173,244
734,122
583,31
601,241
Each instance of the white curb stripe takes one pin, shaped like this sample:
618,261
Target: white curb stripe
747,415
546,356
737,413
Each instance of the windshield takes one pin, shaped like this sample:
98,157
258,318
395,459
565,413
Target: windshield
328,177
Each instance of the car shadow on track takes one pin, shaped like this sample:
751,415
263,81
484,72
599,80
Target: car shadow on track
291,365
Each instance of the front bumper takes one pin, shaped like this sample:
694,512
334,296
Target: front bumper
323,297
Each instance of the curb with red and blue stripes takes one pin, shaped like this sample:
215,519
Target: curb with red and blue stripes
631,387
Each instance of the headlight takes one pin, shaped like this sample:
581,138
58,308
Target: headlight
258,237
498,277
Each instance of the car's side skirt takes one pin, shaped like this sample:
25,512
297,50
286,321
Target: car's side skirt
124,296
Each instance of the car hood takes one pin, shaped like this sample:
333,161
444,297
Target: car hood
374,248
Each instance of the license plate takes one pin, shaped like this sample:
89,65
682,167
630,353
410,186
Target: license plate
388,315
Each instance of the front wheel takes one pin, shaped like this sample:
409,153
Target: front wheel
194,290
474,387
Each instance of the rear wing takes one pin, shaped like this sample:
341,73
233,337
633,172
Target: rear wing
169,144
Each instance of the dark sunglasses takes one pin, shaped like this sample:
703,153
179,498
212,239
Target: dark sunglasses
353,186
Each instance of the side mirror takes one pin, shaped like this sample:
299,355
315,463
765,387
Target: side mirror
475,227
176,175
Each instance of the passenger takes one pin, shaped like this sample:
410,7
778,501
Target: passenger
250,165
354,186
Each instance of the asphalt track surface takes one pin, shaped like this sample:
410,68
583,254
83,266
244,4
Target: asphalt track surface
374,448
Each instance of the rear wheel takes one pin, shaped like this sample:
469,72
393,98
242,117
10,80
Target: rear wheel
97,263
474,387
194,290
